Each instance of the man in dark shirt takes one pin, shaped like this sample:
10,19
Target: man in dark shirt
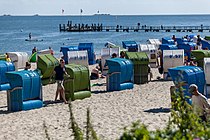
59,72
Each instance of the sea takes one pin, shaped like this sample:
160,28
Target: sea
15,29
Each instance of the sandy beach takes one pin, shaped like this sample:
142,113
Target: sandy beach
110,112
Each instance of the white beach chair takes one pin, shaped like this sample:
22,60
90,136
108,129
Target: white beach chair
207,76
151,52
46,51
155,42
172,58
19,59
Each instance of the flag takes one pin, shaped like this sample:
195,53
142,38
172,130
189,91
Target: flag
81,11
62,11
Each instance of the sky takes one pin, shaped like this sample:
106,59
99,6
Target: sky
113,7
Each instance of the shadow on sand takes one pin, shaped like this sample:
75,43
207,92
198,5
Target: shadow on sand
158,110
50,102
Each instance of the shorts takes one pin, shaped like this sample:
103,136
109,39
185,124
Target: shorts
59,84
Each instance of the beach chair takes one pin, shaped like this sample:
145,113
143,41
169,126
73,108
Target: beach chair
5,67
206,68
77,86
187,47
205,44
25,92
188,75
132,46
141,69
172,58
19,59
199,56
120,74
46,64
151,52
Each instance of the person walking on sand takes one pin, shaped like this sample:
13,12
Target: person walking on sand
200,103
59,72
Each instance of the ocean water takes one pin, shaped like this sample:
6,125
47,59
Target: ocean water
15,29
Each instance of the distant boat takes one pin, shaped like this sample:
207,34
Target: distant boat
36,15
101,14
6,15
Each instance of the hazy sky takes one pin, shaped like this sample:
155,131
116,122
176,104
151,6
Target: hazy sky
115,7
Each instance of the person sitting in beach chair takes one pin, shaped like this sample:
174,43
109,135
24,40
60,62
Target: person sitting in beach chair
28,66
51,51
114,55
7,57
95,73
122,54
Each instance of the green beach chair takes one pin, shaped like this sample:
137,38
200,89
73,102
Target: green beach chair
77,86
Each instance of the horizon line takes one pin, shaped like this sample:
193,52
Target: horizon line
107,14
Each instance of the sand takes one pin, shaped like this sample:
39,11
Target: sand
110,112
